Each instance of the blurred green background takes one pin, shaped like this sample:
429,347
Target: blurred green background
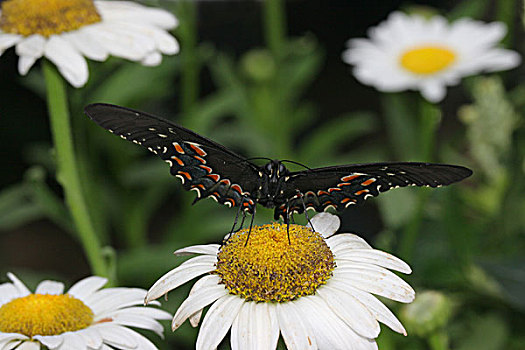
267,80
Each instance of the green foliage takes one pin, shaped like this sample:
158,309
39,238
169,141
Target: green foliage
465,242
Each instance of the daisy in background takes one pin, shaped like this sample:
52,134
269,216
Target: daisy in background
86,317
66,31
315,291
413,52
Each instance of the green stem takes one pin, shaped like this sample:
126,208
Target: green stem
438,341
429,123
274,25
187,11
67,172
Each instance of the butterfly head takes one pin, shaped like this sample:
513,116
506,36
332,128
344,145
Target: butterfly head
274,169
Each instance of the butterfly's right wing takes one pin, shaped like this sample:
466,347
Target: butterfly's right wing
203,165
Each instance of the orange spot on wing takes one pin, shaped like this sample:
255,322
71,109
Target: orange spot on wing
334,189
344,200
198,150
180,162
178,148
226,182
201,186
361,192
350,177
215,177
185,174
237,188
320,192
344,184
200,159
368,182
207,168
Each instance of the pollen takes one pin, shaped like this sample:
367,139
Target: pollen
270,268
44,314
46,17
427,59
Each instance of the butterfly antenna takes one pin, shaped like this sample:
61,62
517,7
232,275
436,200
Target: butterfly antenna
296,163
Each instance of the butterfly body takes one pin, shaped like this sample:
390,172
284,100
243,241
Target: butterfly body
212,170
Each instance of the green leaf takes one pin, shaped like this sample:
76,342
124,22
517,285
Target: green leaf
510,274
469,8
327,139
486,332
17,208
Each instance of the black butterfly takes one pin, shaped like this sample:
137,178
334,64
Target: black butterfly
214,171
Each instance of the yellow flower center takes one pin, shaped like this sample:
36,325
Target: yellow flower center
269,268
46,17
427,59
44,314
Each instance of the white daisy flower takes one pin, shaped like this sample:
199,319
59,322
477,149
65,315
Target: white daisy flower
412,52
315,291
86,317
66,31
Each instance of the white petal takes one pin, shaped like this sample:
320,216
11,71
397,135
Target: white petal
373,256
10,345
72,341
69,62
8,292
255,327
114,298
120,41
208,249
32,46
138,321
344,241
203,281
29,345
51,341
143,311
351,311
117,336
87,286
326,224
433,91
50,287
192,268
208,292
8,40
218,321
330,331
152,59
84,43
92,337
375,280
135,13
21,287
6,337
381,312
25,63
295,331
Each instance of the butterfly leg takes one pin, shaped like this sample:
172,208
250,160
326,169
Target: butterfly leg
251,225
287,221
235,222
304,207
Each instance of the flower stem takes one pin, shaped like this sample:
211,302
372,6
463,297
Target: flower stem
67,172
429,123
274,25
190,59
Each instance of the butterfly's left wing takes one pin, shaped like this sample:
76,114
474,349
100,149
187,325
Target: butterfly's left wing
341,186
203,165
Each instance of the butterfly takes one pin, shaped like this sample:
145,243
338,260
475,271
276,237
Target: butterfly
212,170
